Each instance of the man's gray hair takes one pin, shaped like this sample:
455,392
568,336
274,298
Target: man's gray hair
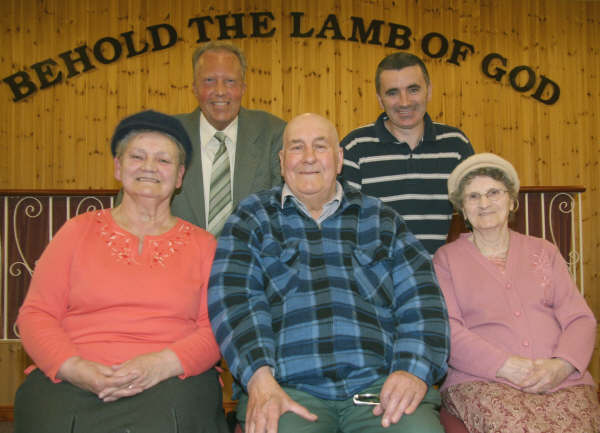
219,46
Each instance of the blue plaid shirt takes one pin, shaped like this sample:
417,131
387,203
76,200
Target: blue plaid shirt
333,308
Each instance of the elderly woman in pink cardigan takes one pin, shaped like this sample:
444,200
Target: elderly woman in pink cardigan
521,334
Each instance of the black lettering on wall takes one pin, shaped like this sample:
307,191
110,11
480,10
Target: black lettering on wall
259,21
427,41
237,27
156,39
99,52
498,72
374,30
331,23
131,51
554,91
70,61
297,26
20,85
200,26
396,35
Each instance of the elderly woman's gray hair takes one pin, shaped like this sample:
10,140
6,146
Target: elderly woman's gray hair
482,164
123,142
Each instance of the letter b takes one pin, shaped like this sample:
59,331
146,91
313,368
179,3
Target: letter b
21,85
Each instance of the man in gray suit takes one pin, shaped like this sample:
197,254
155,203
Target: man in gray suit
252,137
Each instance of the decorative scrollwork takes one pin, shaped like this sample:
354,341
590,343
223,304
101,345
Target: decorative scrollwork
33,210
95,204
566,206
574,258
15,329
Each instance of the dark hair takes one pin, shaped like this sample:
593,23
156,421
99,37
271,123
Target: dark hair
397,61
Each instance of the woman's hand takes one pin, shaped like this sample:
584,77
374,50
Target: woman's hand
548,374
537,376
516,370
144,372
90,375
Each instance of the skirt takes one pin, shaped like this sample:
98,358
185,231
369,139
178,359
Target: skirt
191,405
488,407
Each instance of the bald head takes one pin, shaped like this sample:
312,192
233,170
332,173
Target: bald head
310,121
311,159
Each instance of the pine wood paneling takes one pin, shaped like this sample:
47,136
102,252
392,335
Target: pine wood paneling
58,138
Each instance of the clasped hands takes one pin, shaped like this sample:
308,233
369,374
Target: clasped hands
401,394
535,376
122,380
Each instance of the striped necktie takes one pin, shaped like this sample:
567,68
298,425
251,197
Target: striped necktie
220,203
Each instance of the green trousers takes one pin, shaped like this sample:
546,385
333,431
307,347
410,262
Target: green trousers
343,416
192,405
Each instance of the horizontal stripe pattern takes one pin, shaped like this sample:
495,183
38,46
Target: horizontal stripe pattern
412,182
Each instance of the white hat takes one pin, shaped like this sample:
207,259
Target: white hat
482,160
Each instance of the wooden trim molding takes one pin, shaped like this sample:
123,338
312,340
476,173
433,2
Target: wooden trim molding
60,192
109,192
568,188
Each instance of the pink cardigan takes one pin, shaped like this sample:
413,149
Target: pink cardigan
532,309
94,296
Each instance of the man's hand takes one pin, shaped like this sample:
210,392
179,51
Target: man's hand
548,374
90,375
267,401
401,394
516,370
145,371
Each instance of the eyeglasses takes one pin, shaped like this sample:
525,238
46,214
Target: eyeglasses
493,194
366,399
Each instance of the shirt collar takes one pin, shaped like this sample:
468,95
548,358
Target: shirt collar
385,135
207,131
329,208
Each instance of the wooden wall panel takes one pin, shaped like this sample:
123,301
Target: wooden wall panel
14,359
58,137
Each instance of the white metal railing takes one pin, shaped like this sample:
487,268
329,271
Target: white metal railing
24,214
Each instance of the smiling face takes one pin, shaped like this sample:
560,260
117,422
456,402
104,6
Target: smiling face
404,95
150,166
485,214
219,86
311,159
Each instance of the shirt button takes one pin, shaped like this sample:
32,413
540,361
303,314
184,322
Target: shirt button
508,285
525,343
517,314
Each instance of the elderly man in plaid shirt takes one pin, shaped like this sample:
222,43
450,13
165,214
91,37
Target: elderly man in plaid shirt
318,293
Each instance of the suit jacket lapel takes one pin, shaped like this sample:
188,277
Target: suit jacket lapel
193,186
247,156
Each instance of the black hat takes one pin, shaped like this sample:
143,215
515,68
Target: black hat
150,120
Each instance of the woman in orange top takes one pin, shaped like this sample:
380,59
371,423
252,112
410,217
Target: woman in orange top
116,318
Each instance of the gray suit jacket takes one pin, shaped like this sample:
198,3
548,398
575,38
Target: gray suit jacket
256,165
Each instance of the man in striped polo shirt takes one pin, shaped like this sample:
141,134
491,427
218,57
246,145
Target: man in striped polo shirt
405,158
